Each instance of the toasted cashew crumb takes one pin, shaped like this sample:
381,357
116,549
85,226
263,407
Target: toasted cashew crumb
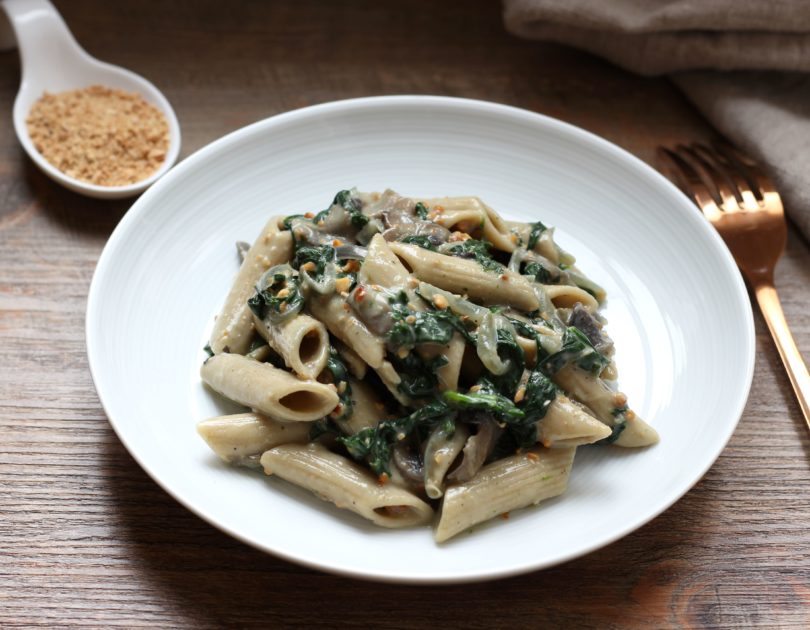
439,301
533,457
342,284
99,135
283,293
520,394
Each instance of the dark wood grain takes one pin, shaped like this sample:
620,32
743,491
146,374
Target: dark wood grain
87,539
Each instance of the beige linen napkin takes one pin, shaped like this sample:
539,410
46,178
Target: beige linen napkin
743,63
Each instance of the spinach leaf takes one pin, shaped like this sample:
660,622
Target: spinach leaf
340,377
537,229
509,350
497,404
320,256
419,239
540,273
416,327
208,350
352,205
478,251
576,348
421,211
282,295
374,444
418,375
322,427
287,222
540,393
616,431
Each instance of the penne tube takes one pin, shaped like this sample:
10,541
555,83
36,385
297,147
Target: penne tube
504,485
302,342
448,374
604,402
334,478
381,266
567,424
464,276
471,215
267,389
367,409
349,329
440,453
241,438
234,324
567,296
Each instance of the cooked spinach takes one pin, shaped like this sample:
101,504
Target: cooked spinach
537,229
540,393
268,304
509,351
353,206
374,444
412,328
576,348
340,374
478,251
485,400
418,239
319,255
540,273
418,375
208,350
421,211
322,427
287,222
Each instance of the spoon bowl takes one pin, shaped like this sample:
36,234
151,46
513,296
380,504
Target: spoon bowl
52,60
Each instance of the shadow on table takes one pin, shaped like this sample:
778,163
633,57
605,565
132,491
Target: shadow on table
72,211
207,578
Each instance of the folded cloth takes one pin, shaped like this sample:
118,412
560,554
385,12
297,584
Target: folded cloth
743,63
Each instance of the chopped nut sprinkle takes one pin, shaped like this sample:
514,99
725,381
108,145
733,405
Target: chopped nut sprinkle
99,135
439,301
533,457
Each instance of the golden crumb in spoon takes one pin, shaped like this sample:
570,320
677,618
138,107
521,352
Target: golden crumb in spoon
99,135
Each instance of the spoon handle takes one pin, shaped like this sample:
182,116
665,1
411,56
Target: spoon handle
44,40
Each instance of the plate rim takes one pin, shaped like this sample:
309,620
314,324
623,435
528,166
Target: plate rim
474,105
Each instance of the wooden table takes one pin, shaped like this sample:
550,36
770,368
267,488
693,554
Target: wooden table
89,539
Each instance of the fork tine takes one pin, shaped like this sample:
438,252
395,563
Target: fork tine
690,182
716,177
740,185
753,173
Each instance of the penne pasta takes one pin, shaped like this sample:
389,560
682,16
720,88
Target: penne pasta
268,390
401,355
567,424
466,277
241,438
302,342
335,479
504,485
233,326
348,328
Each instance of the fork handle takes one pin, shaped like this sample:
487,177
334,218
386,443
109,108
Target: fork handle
771,308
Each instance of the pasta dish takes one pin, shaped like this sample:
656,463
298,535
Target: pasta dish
414,361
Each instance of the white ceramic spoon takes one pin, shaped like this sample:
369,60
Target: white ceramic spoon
52,60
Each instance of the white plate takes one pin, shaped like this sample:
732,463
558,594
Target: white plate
677,308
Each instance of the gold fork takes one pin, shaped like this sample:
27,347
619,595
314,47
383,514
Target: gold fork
740,201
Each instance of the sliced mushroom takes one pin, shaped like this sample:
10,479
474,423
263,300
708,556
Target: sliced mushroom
476,450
